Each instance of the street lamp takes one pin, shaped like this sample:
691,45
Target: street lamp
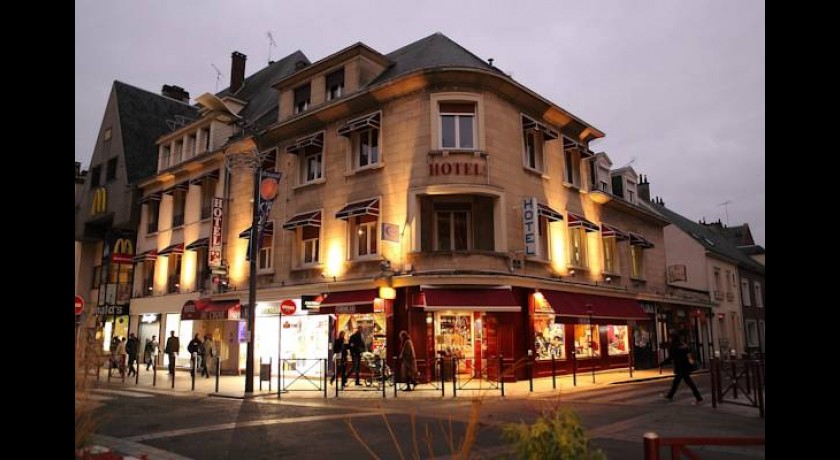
243,155
590,309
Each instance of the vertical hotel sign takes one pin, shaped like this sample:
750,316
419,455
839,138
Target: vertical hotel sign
214,253
529,221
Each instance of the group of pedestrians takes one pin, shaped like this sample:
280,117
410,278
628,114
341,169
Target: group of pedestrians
355,346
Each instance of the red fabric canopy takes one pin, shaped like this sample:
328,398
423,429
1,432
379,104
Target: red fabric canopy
574,304
469,299
206,309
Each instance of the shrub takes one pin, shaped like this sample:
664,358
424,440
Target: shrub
556,434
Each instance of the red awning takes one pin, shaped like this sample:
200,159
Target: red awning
573,304
206,309
488,299
345,298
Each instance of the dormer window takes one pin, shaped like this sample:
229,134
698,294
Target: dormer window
302,98
335,84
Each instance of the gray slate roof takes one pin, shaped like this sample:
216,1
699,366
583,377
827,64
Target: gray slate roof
710,239
436,50
143,117
258,92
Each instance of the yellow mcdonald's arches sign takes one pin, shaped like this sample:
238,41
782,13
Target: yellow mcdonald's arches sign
123,252
100,201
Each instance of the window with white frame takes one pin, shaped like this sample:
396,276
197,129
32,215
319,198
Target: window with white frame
208,192
165,154
610,255
310,245
310,151
177,152
457,223
571,157
179,206
637,259
745,292
265,252
366,240
457,125
152,214
759,300
534,135
364,135
752,333
301,95
577,247
205,136
335,84
148,277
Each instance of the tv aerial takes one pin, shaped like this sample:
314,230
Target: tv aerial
218,75
725,205
271,44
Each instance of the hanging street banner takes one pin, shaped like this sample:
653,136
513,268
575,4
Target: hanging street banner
214,252
269,185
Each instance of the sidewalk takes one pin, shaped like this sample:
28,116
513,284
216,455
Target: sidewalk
303,388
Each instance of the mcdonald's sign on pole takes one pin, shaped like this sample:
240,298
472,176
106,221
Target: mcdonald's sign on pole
100,201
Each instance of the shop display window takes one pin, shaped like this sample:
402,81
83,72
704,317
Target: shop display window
617,338
373,329
454,335
585,345
549,337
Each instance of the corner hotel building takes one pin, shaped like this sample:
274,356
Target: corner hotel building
426,190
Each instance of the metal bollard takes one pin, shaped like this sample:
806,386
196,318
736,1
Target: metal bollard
454,365
530,365
574,368
218,372
553,373
651,446
154,371
326,370
110,367
193,366
442,375
501,376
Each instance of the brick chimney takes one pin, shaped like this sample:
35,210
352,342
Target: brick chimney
175,92
643,187
237,70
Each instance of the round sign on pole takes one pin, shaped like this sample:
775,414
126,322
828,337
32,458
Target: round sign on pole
80,305
288,307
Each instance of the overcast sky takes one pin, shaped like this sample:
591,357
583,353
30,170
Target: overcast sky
677,86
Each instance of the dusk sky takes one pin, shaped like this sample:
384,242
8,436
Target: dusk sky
677,86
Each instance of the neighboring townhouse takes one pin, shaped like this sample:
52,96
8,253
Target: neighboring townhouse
179,261
107,212
426,190
752,282
80,187
700,258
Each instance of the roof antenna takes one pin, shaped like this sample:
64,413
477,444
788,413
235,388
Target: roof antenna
725,205
632,160
271,43
218,75
490,62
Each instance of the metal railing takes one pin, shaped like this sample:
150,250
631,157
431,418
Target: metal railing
679,446
734,377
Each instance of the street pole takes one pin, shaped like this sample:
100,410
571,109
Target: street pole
252,281
590,309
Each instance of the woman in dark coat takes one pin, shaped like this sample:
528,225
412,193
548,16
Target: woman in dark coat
679,354
409,361
339,349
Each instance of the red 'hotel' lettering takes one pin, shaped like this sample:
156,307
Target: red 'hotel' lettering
457,169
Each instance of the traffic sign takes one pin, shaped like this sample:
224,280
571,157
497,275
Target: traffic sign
80,305
288,307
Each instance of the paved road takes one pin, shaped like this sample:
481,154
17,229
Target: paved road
201,427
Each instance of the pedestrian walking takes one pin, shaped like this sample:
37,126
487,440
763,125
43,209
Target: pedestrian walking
356,344
683,361
173,346
339,350
150,351
409,361
208,364
194,348
121,356
132,346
